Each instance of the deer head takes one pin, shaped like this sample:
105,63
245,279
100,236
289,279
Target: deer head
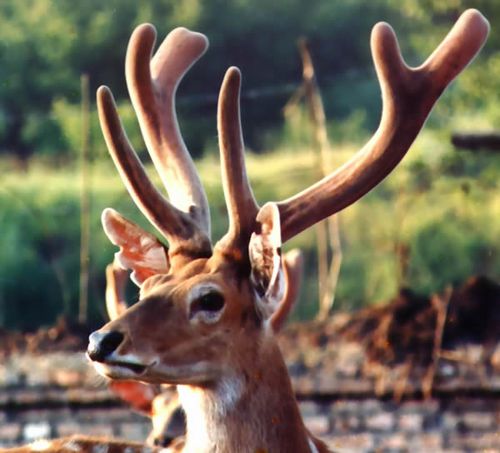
204,318
161,403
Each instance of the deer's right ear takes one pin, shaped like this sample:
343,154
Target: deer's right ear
140,251
293,263
265,260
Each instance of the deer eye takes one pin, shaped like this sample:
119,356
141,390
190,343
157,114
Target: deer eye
210,302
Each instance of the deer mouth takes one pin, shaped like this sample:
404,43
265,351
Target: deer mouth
136,368
122,369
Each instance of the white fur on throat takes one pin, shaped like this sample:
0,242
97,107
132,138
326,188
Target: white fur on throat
225,396
201,405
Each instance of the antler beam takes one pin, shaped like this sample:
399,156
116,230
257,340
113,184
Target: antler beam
408,95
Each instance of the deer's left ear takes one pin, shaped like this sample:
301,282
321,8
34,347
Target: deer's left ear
139,251
265,259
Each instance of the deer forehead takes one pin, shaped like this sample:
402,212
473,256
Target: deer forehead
195,278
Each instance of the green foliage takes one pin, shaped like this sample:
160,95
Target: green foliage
447,220
44,132
45,46
67,118
443,253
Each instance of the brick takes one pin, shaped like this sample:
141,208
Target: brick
105,430
393,442
135,431
461,404
38,415
28,397
67,428
426,442
475,441
308,408
346,424
10,431
317,424
478,421
34,431
108,415
383,421
68,378
372,405
411,422
345,406
450,421
432,421
356,442
79,395
426,407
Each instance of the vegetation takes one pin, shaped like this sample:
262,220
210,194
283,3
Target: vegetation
45,46
430,224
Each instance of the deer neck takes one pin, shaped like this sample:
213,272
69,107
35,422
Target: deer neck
249,410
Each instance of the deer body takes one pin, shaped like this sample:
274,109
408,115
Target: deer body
205,317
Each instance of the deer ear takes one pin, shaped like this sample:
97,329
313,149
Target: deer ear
139,251
293,264
265,260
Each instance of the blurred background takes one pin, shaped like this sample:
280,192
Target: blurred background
432,223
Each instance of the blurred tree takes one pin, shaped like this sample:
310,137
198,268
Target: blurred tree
44,47
46,44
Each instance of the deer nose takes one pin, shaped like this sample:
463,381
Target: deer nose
102,344
163,441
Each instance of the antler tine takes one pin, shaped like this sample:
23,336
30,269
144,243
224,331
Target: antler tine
152,86
408,95
241,205
176,226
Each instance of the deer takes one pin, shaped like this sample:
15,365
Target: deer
203,319
161,403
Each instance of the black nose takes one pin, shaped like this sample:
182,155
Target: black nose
102,344
163,441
